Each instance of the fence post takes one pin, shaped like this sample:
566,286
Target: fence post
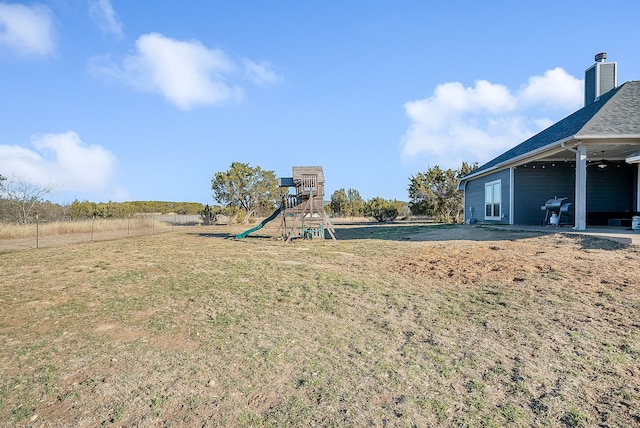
92,223
37,233
128,225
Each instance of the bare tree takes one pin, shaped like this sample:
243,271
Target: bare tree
19,199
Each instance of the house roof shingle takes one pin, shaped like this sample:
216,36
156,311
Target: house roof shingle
619,116
608,116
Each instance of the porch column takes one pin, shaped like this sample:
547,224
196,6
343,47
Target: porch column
512,186
580,208
638,188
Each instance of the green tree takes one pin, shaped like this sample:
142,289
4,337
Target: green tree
81,210
187,207
383,209
347,203
355,203
435,193
245,187
208,215
403,209
115,209
338,203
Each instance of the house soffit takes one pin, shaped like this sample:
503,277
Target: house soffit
610,129
597,150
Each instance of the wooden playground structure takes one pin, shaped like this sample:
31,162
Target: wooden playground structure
301,214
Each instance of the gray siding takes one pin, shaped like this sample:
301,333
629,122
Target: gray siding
538,182
599,79
607,77
610,191
590,85
474,197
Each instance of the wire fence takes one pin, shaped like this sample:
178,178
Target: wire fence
38,234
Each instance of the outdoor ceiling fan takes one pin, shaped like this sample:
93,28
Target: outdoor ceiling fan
600,163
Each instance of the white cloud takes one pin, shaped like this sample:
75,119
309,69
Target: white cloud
260,72
106,18
477,123
555,89
186,73
62,161
27,30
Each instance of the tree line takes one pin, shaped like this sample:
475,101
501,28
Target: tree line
245,191
86,209
23,202
349,203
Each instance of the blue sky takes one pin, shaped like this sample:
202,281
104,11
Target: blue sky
132,100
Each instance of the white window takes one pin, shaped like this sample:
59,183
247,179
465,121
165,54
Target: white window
492,199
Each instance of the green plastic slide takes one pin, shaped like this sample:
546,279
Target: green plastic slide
260,225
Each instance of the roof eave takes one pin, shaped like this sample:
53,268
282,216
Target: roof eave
517,160
608,137
633,158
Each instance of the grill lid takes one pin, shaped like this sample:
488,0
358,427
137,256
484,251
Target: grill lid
554,204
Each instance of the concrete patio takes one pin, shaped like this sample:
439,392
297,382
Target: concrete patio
623,235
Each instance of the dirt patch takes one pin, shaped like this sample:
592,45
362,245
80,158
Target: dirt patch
556,257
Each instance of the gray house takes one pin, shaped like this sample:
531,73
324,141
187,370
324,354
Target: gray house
589,160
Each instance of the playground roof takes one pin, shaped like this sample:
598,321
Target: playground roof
299,171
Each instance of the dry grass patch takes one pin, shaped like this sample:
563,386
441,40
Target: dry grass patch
25,236
18,231
192,329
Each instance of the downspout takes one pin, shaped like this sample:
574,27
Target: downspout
564,146
464,202
581,185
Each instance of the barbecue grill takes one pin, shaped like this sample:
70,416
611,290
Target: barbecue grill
557,212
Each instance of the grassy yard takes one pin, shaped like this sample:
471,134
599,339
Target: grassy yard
414,325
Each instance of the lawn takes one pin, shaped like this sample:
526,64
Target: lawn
392,325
